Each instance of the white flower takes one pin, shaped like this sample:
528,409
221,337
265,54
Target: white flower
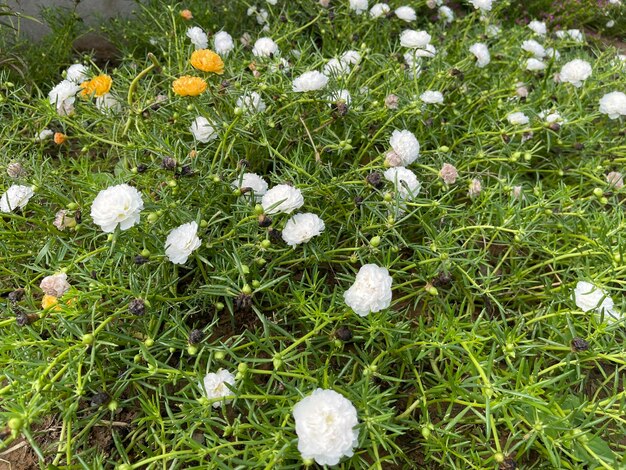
589,297
223,43
359,6
282,198
432,97
336,67
17,196
198,37
265,47
414,39
325,425
203,130
484,5
272,2
216,386
538,27
445,14
448,173
404,180
341,95
413,62
406,13
253,182
405,145
351,57
615,179
534,48
181,242
378,10
613,104
251,103
552,53
517,118
575,72
575,34
115,205
108,102
44,134
371,291
55,285
561,34
610,23
77,73
481,52
493,30
301,228
428,51
533,64
63,96
310,81
550,117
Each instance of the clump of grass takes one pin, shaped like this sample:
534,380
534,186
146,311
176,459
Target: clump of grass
483,358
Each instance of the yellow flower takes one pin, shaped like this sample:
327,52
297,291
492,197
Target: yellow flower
189,86
99,86
49,301
186,14
59,138
207,61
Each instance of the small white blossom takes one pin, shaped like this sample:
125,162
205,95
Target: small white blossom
481,52
108,102
406,13
44,134
336,67
576,35
265,47
301,228
493,30
181,242
405,145
475,188
589,297
615,179
517,118
120,204
55,285
534,48
404,180
538,27
445,14
282,198
552,53
432,97
610,23
63,96
575,72
17,196
326,427
550,117
414,68
358,6
371,291
253,182
223,43
448,173
613,104
484,5
351,57
216,385
251,103
198,37
202,130
77,73
341,95
414,39
310,81
533,64
378,10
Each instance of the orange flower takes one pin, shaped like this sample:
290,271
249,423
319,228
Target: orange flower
189,86
59,138
186,14
207,61
49,301
99,86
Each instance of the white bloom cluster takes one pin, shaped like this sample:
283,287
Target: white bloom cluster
336,67
282,198
574,34
445,14
108,103
253,182
484,5
198,37
325,425
414,39
251,103
534,48
404,180
550,117
533,64
588,297
378,10
340,95
265,47
518,118
120,204
77,73
223,43
309,81
406,13
481,52
351,57
55,285
44,134
405,148
63,96
181,242
216,386
17,196
301,228
613,104
371,291
432,97
202,130
358,6
538,27
575,72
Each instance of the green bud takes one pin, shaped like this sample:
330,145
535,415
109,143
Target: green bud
219,355
113,405
172,183
204,223
245,269
265,244
189,107
15,424
137,359
256,284
375,241
88,339
192,350
277,361
258,209
597,192
425,432
149,342
242,367
247,289
238,111
498,457
72,206
432,290
219,306
145,253
388,197
110,237
152,217
444,148
603,200
260,261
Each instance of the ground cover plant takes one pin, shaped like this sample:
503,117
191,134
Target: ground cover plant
306,234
